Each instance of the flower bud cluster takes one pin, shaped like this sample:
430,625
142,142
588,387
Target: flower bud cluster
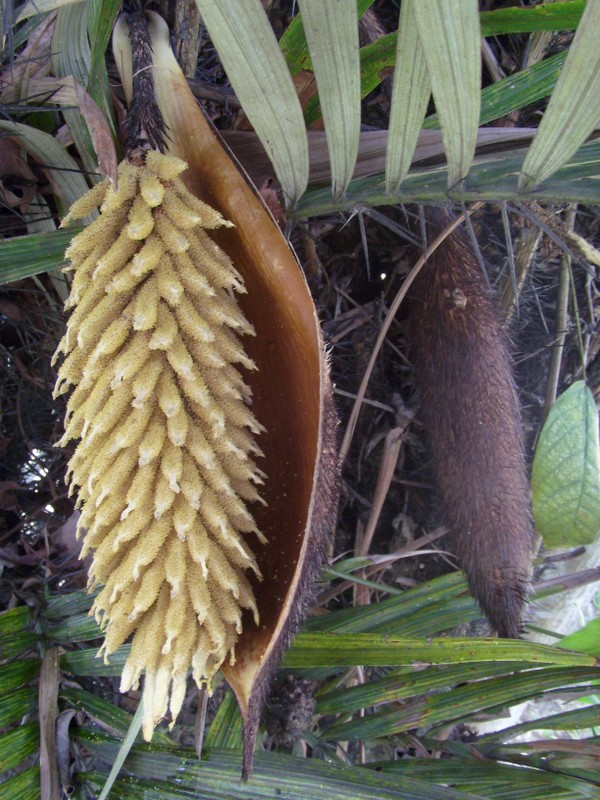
164,467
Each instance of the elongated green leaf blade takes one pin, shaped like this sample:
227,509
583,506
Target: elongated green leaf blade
293,42
63,171
25,256
101,17
326,650
410,95
451,39
16,673
17,744
274,775
33,7
565,478
332,35
250,54
574,108
24,786
561,16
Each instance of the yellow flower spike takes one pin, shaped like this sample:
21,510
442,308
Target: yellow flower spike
132,428
191,485
175,567
141,220
118,200
201,599
193,324
166,329
179,614
197,543
171,465
210,218
152,441
124,281
119,253
164,496
145,306
169,286
177,428
195,284
180,214
144,384
181,361
112,338
99,234
152,189
152,580
87,204
174,240
218,268
228,348
147,258
131,359
166,167
168,395
134,523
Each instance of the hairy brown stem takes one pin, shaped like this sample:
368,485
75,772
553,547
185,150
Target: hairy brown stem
471,413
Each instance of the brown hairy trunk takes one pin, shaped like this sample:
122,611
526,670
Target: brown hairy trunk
471,414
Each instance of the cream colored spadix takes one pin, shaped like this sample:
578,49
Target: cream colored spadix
290,387
164,466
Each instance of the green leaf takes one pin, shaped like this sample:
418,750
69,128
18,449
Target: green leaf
79,628
563,16
364,649
226,728
64,172
18,744
332,33
101,18
565,479
13,644
66,605
293,42
71,56
460,703
32,7
24,786
16,673
25,256
275,775
490,779
17,619
574,108
516,91
585,640
16,705
242,35
451,40
410,95
87,662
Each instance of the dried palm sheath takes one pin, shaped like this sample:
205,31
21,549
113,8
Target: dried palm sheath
205,492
